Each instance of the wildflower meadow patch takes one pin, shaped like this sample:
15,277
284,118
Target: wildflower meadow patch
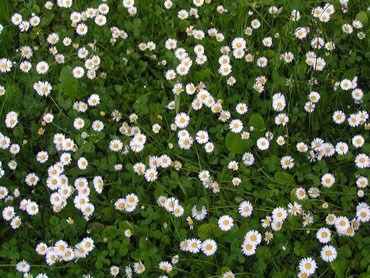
184,138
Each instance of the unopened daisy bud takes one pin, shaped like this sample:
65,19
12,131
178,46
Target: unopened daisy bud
102,113
41,131
175,259
16,193
43,123
360,193
325,205
105,239
165,225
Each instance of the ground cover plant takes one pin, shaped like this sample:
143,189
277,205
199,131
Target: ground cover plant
197,138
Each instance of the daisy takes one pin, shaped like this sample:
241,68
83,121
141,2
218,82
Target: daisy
323,235
199,214
363,214
81,29
236,181
327,180
115,145
182,120
202,136
341,148
253,237
151,174
255,23
5,65
225,69
346,84
362,182
241,108
328,253
268,237
32,208
78,123
342,223
209,247
248,249
358,141
194,246
23,266
8,213
287,162
300,193
245,209
139,267
307,266
42,157
263,144
279,214
294,209
165,266
330,219
362,161
78,72
225,223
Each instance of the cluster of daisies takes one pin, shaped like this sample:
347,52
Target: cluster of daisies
208,246
24,267
132,138
128,204
171,205
24,25
138,268
61,251
150,173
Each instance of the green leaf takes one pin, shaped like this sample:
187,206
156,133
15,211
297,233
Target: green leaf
208,230
345,251
14,97
339,266
284,178
297,4
107,213
362,16
54,221
350,74
257,122
177,104
235,143
68,82
272,163
110,232
268,53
